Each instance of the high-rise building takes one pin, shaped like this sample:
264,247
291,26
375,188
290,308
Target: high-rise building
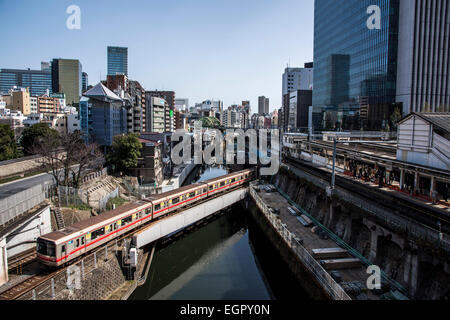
355,67
46,66
84,82
117,61
423,76
297,79
294,79
263,105
169,110
67,79
156,114
297,113
37,81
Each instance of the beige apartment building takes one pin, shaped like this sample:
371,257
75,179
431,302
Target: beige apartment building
21,101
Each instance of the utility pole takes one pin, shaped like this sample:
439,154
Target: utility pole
333,175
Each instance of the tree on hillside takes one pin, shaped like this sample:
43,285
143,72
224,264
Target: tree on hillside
124,152
8,146
68,157
34,135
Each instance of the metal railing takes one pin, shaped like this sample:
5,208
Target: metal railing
343,244
334,290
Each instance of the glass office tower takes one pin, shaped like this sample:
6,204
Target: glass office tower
355,68
36,80
117,61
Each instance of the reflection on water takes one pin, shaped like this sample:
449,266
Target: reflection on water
214,262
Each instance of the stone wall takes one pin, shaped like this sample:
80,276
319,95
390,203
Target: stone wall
99,283
424,272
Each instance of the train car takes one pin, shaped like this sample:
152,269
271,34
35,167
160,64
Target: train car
222,184
57,248
173,200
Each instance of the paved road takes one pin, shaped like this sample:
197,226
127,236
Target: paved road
12,188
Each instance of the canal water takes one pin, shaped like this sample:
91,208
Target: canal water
228,258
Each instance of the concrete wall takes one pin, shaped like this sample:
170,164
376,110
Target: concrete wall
24,236
3,262
402,249
17,204
18,166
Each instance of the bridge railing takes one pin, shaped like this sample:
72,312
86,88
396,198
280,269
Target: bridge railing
335,291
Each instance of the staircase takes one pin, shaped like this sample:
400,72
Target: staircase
59,219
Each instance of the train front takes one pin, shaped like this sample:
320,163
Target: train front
46,252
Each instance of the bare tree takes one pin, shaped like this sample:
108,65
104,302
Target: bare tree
68,156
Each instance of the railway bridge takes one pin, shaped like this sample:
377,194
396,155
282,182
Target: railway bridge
174,223
49,287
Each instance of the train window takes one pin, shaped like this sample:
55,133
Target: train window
127,220
192,194
158,206
115,226
222,183
41,247
82,241
148,211
110,228
204,190
211,187
63,249
175,200
77,243
51,250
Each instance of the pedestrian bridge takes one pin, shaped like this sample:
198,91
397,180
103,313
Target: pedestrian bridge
179,221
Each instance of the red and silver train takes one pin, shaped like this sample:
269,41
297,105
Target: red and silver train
60,247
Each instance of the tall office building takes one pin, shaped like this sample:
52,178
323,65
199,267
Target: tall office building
355,67
117,61
67,79
294,80
46,66
37,81
423,77
84,82
297,79
263,105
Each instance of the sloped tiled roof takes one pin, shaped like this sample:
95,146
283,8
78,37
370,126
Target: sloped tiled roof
100,91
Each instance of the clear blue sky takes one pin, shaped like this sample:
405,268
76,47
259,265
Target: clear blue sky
231,50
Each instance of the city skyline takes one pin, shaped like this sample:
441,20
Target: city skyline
244,59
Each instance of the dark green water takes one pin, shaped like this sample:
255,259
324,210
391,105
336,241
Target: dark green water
226,259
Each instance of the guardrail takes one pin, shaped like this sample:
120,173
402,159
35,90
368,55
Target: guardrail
333,289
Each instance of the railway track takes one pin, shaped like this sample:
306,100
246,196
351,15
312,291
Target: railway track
41,277
19,261
425,216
